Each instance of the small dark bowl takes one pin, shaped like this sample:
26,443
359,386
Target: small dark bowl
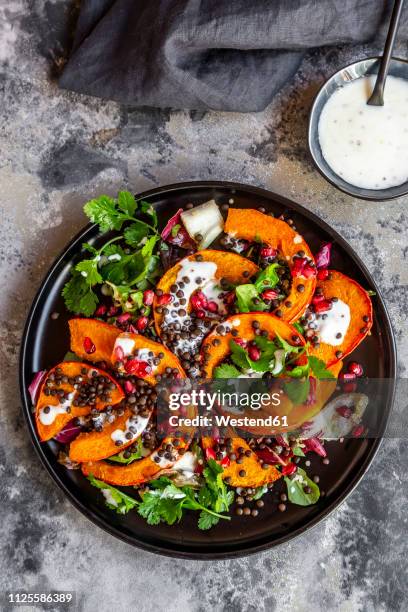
398,68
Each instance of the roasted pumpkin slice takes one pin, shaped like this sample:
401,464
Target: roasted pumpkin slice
249,472
341,328
252,225
201,272
216,348
135,354
92,340
69,390
216,345
141,470
114,437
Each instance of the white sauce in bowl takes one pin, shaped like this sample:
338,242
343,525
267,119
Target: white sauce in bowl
367,146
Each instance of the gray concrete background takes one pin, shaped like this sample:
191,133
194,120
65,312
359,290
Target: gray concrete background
58,149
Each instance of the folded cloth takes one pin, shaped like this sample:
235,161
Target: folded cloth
231,55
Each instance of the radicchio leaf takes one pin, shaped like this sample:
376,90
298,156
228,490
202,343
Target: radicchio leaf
69,433
179,237
35,384
323,256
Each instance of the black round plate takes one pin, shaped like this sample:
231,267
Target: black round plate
45,342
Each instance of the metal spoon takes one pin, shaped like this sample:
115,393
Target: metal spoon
377,97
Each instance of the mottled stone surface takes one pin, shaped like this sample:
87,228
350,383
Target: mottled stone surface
58,149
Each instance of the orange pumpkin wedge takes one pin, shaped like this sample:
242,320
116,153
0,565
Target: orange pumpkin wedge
51,413
135,347
92,340
216,346
214,353
97,445
248,473
135,473
252,225
340,286
230,266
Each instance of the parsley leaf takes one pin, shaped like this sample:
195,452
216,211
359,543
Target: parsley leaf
135,233
89,270
297,390
318,368
103,211
114,499
127,202
78,296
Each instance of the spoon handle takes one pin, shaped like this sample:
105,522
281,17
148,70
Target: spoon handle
377,97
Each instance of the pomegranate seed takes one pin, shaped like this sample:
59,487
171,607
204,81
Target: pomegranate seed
89,346
302,267
322,306
254,352
123,318
350,387
129,387
240,342
212,306
308,271
358,431
113,311
131,329
317,298
355,368
269,294
344,411
141,323
268,251
226,461
137,367
289,469
210,453
323,274
148,297
314,445
101,310
200,314
120,355
164,299
199,300
229,298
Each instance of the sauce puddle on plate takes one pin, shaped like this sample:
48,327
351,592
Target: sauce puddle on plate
367,145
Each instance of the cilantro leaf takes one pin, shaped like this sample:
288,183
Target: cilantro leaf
239,355
78,296
114,499
207,520
226,371
148,209
89,270
246,294
268,278
103,211
127,203
135,233
296,489
297,390
318,368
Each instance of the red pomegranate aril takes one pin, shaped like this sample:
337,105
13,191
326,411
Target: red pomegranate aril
318,298
226,461
120,355
350,387
269,294
322,274
289,469
210,453
254,352
101,310
344,411
199,301
355,368
141,323
123,318
89,346
358,431
200,314
229,298
113,311
314,445
322,306
268,251
164,299
308,271
148,297
240,342
137,367
212,306
129,387
298,265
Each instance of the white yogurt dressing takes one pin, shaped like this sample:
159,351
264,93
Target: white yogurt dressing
107,493
367,145
47,418
143,354
126,344
138,425
332,323
204,271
